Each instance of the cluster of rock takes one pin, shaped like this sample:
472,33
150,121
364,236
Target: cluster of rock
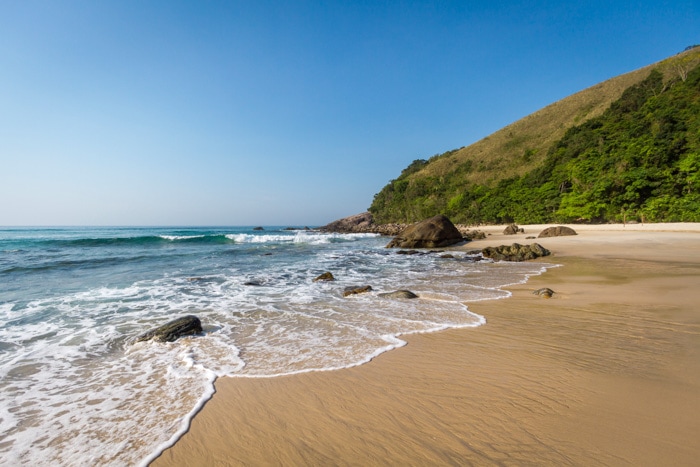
436,232
358,289
362,223
515,252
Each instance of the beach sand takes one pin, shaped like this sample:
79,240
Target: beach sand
606,372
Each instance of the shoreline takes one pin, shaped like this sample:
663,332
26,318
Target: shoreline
607,371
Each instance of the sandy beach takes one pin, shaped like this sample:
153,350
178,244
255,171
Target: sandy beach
606,372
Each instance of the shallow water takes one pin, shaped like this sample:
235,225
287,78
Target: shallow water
75,390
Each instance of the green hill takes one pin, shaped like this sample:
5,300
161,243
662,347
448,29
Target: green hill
624,149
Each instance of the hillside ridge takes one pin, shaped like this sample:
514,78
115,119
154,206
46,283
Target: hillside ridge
439,185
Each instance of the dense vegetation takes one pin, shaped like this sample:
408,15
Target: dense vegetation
638,160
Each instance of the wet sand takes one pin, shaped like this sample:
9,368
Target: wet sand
606,372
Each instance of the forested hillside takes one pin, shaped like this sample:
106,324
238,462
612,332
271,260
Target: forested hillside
573,161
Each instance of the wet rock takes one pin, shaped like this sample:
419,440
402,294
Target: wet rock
447,256
172,330
325,277
408,252
398,294
253,283
258,228
354,290
544,292
436,232
515,252
558,231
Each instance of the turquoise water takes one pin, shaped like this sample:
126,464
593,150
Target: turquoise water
75,389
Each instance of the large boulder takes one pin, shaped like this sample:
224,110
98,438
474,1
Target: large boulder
515,252
172,330
436,232
558,231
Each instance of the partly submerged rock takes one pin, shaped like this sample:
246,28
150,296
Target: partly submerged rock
558,231
354,290
408,252
172,330
544,292
326,277
515,252
436,232
399,294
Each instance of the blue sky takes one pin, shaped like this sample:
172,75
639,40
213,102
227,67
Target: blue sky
281,112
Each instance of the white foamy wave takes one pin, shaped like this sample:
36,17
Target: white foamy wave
173,238
73,391
298,237
70,409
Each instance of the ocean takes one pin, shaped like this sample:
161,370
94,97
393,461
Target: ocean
75,389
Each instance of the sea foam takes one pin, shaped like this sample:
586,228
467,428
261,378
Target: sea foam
75,390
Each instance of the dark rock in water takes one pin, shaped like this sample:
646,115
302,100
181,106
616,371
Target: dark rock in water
258,228
558,231
515,252
512,229
354,290
436,232
326,276
253,283
172,330
408,252
399,294
447,256
544,292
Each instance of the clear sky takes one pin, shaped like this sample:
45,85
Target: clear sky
281,112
